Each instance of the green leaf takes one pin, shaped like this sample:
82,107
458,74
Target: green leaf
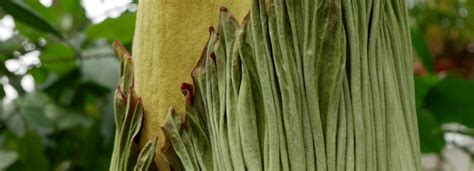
32,110
45,12
58,58
32,33
422,87
103,70
451,100
17,125
65,118
422,50
120,28
7,47
145,158
7,158
40,74
66,15
13,120
30,150
2,92
23,13
72,120
431,135
57,90
71,9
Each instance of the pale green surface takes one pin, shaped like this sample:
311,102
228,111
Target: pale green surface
296,88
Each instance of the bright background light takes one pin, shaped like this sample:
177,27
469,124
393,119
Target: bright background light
96,10
7,27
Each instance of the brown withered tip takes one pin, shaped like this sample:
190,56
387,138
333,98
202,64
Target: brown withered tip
213,57
118,89
120,50
186,88
188,92
224,9
246,20
211,30
116,43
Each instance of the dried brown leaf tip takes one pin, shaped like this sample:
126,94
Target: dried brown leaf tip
120,50
188,92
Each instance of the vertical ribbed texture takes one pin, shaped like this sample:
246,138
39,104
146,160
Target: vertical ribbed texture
298,85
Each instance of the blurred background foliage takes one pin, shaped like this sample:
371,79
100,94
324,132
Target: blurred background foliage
443,41
58,72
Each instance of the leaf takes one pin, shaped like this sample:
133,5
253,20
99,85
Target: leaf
145,158
70,10
57,90
451,100
58,59
9,116
17,125
65,118
7,158
7,47
32,110
2,92
431,135
40,74
120,28
65,14
103,70
30,32
422,50
46,12
422,87
23,13
30,150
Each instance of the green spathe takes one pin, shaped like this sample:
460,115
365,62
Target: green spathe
298,85
301,85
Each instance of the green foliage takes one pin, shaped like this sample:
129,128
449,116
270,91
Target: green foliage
114,29
431,135
442,98
28,16
30,149
419,45
66,123
422,87
441,101
451,100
